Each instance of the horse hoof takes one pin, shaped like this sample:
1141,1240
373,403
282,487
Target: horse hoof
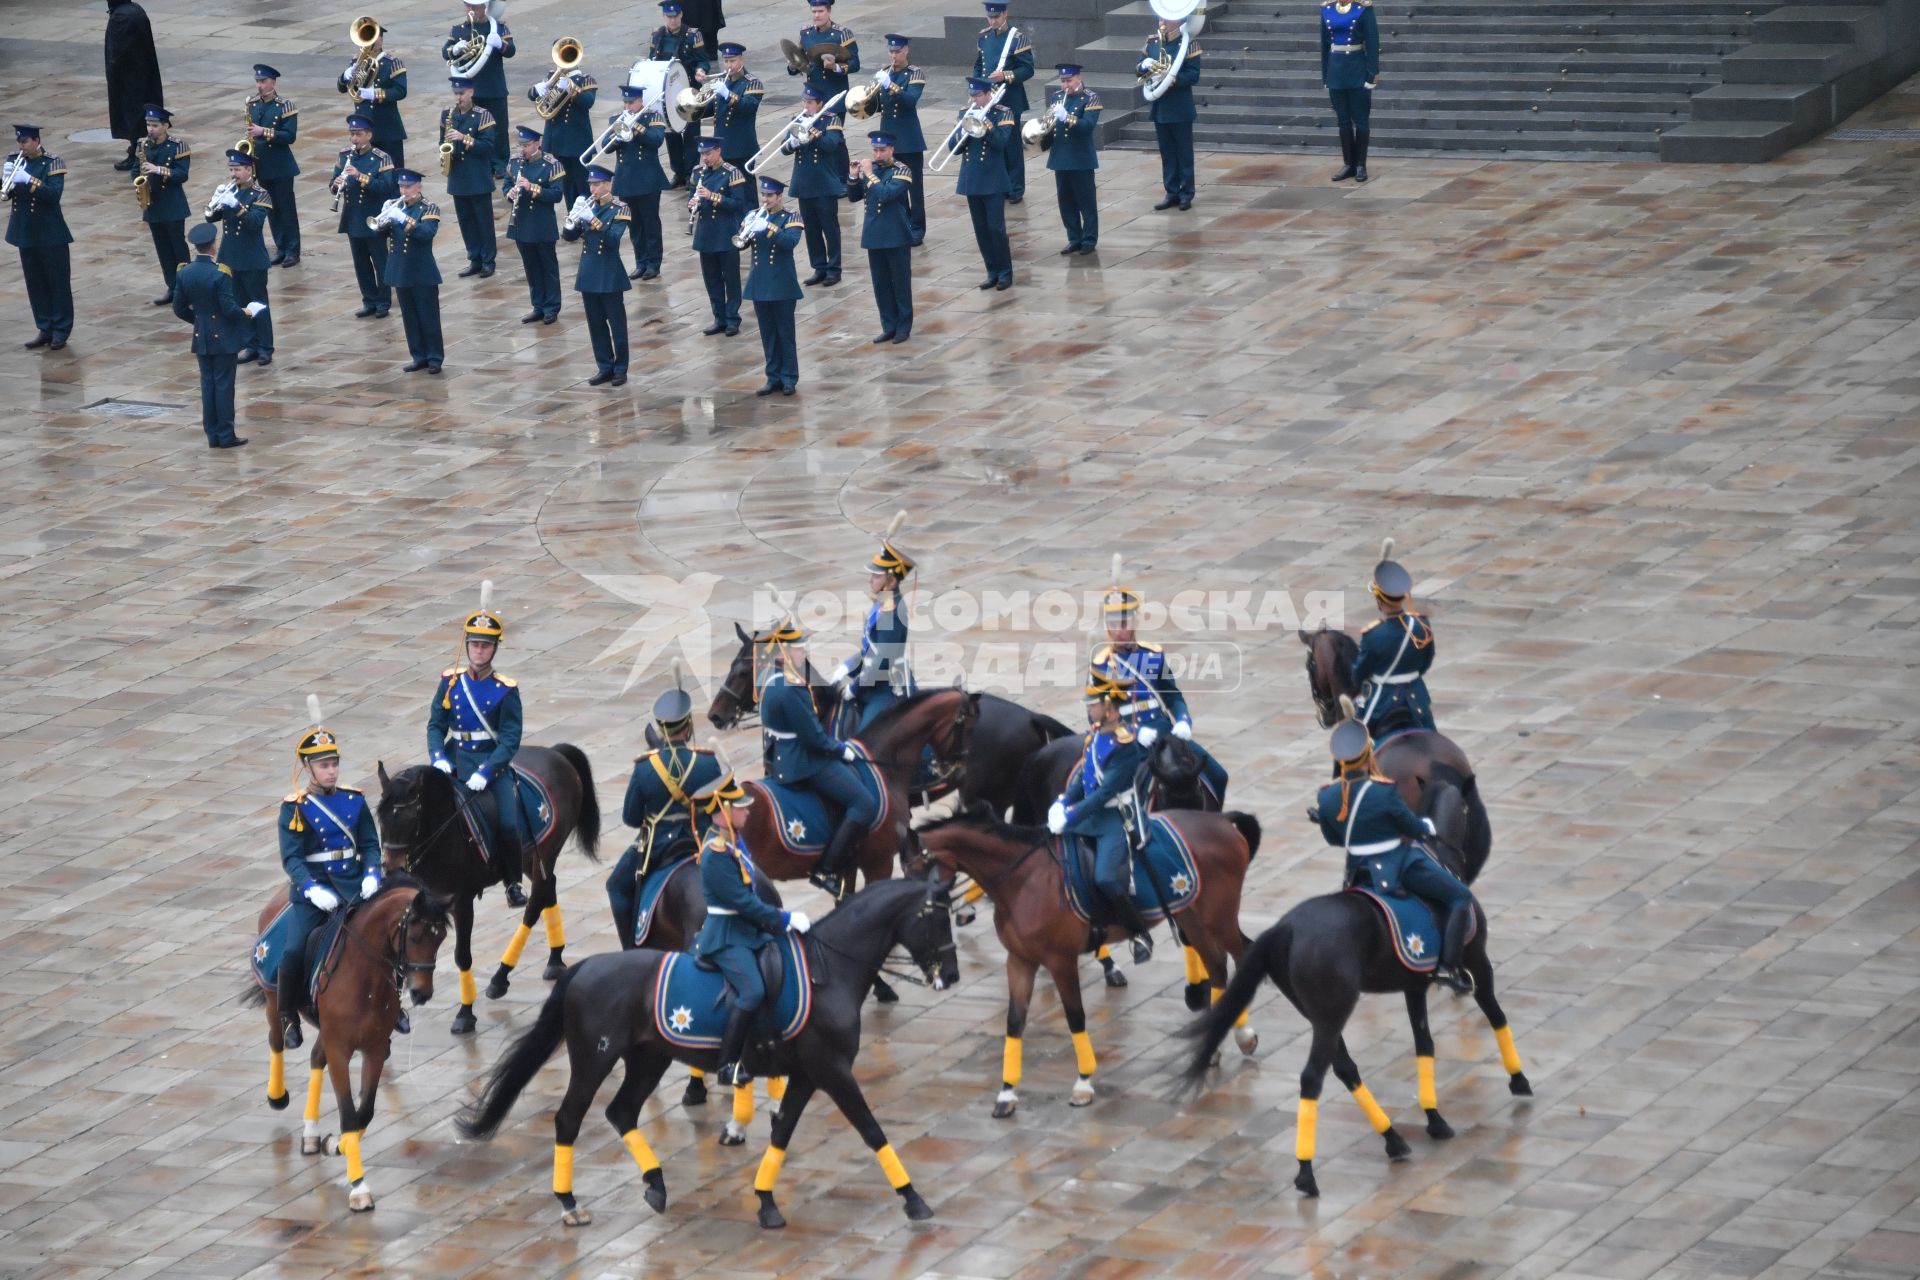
1247,1038
1214,1061
279,1103
918,1210
1519,1086
576,1218
553,970
696,1094
1082,1093
360,1199
1437,1127
656,1193
770,1212
1304,1182
464,1023
885,994
314,1146
1115,978
1397,1148
1196,994
964,916
733,1135
498,987
1003,1106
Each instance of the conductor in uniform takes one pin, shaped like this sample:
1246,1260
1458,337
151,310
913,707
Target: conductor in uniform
204,297
883,184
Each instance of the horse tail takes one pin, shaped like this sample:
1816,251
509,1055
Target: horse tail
1249,828
1265,957
518,1065
587,829
254,995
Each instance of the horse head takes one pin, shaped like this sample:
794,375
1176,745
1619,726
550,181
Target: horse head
1176,768
927,933
1330,656
738,695
403,814
423,927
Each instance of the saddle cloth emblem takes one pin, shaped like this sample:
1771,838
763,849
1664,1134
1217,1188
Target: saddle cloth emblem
681,1019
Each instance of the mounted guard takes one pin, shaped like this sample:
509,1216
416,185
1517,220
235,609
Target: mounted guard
801,753
660,802
879,675
1396,652
1103,802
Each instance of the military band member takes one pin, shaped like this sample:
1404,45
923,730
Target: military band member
660,804
204,297
1015,74
984,183
718,199
674,41
380,101
773,287
363,177
638,181
819,184
490,80
598,223
533,193
887,235
829,72
1074,157
901,84
1350,68
272,126
475,136
736,103
571,130
1172,114
164,161
242,212
411,271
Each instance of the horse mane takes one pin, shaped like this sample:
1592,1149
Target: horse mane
979,817
1345,647
428,906
900,707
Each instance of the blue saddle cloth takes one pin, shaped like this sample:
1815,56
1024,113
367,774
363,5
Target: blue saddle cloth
801,816
690,1003
1413,926
652,885
1166,854
536,813
272,944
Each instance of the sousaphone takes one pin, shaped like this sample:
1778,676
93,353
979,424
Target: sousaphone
1192,16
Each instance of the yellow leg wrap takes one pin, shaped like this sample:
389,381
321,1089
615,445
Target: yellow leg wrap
511,956
276,1074
973,894
743,1104
350,1148
314,1078
1246,1016
1303,1135
1103,953
1379,1119
1010,1062
1509,1056
695,1073
1083,1053
891,1166
469,989
1429,1100
642,1153
1196,968
769,1169
562,1170
556,931
776,1087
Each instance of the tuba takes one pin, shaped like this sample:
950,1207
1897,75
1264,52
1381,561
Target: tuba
363,31
1160,73
471,54
567,54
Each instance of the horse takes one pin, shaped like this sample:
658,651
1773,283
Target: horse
387,942
1323,955
1432,773
423,833
602,1009
1023,871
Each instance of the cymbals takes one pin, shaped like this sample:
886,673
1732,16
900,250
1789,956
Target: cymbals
804,59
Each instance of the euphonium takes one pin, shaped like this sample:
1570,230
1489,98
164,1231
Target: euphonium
691,101
363,31
567,54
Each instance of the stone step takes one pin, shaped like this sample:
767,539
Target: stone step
1596,145
1728,141
1392,54
1424,27
1420,122
1768,103
1474,9
1791,64
1809,24
1495,64
1254,104
1236,83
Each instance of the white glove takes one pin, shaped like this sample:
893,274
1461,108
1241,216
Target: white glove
478,782
369,885
227,201
880,77
540,89
1060,112
368,95
348,73
494,41
254,308
1183,731
1146,64
846,692
1148,735
322,897
798,922
840,673
1057,817
443,766
21,177
849,754
721,91
1431,829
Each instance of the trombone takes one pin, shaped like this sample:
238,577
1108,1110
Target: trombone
793,134
618,133
971,125
567,55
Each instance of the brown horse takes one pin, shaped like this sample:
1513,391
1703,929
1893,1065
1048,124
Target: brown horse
1430,770
1023,872
388,942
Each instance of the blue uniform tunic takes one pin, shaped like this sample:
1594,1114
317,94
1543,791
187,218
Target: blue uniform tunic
1173,115
571,132
243,247
829,82
1020,65
801,753
534,227
489,82
204,297
714,225
984,181
1395,655
688,47
734,116
1379,835
275,167
819,184
1155,699
773,287
415,278
659,803
1073,158
738,923
471,180
166,212
638,181
360,200
328,840
389,91
37,228
1350,61
1097,799
474,725
601,280
882,657
900,93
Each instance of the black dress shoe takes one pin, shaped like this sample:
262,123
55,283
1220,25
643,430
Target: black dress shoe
291,260
550,319
787,390
433,368
649,274
1017,199
1346,172
1185,205
234,443
1168,203
277,259
634,274
164,299
381,313
1004,285
818,277
516,896
264,360
885,337
918,241
768,390
830,281
56,344
715,328
1072,248
39,340
1360,175
619,379
1086,249
532,317
413,366
900,337
988,283
125,166
364,312
600,379
473,269
486,273
733,331
246,357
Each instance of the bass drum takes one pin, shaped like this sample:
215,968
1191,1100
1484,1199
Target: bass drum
662,81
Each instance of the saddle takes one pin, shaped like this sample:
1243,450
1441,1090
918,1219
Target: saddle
497,839
1395,720
690,998
803,818
323,952
1165,857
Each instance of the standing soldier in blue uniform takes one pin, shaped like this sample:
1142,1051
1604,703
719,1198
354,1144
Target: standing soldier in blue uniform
736,106
719,198
35,226
674,41
878,676
475,136
738,923
1350,68
570,130
415,277
1173,114
473,733
598,224
660,804
1154,703
983,181
380,101
1006,57
1361,811
330,849
533,191
901,84
164,162
490,78
819,184
1396,651
203,296
884,184
1074,157
242,212
1096,804
363,179
773,287
800,753
638,181
829,72
272,126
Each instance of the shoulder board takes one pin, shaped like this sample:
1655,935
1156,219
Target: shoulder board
352,791
736,179
1103,653
1123,735
1193,51
718,842
888,607
902,174
645,756
295,798
55,166
986,31
1149,646
397,65
182,267
1371,625
184,151
1093,99
546,158
484,117
449,673
224,268
430,210
507,681
622,214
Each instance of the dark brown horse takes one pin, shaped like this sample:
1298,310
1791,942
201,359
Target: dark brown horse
1432,773
423,832
1022,871
388,942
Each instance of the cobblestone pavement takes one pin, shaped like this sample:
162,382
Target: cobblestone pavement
1646,435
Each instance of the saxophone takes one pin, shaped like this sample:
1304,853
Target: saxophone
142,187
446,148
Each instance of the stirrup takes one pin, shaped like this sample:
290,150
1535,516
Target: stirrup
734,1073
516,896
1455,978
1142,947
829,881
290,1031
402,1023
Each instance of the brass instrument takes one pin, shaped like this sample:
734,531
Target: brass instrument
796,133
375,222
446,159
803,61
567,55
972,125
691,101
863,100
1158,76
471,54
213,202
142,186
1000,86
751,229
618,133
1036,135
14,162
363,31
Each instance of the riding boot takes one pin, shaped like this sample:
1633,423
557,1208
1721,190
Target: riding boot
1346,153
831,874
293,972
733,1045
1128,917
1452,974
1360,155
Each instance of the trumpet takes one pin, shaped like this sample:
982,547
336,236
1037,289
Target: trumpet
214,202
385,214
618,133
972,125
795,134
567,54
581,212
752,229
363,31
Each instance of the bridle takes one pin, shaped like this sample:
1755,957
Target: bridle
410,849
394,956
1326,705
929,908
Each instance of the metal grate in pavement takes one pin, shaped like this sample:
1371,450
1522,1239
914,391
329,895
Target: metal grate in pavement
134,408
1875,135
